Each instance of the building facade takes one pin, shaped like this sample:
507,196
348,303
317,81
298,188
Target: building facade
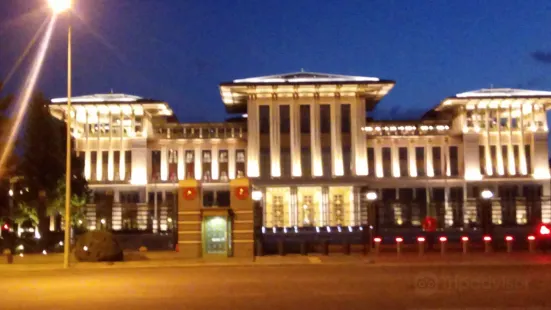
307,141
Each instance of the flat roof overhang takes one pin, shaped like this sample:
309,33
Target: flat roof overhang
493,102
235,95
140,107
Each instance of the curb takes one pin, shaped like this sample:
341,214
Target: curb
370,264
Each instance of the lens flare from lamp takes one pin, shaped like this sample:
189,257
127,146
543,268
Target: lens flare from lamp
59,6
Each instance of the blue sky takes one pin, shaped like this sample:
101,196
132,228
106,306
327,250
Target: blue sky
180,50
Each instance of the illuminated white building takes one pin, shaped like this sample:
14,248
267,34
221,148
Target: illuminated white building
307,141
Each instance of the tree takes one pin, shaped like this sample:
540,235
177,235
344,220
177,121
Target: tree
8,169
43,164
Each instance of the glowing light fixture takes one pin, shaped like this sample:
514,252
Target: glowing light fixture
486,194
256,195
371,196
59,6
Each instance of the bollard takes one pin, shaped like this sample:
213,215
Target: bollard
325,247
9,256
465,244
421,245
259,248
531,244
281,247
377,241
509,241
346,247
304,248
399,241
443,241
487,244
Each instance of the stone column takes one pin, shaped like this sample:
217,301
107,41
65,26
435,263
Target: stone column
253,138
122,156
428,159
164,163
499,154
214,165
99,157
510,149
378,159
336,137
275,141
412,159
181,163
395,160
296,165
87,154
110,154
231,161
198,167
487,153
522,152
359,148
315,138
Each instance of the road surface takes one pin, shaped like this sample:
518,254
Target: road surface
281,287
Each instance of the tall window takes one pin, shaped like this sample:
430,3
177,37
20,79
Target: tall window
345,118
387,161
371,160
172,165
116,166
240,163
482,157
305,118
104,164
93,164
403,156
517,158
306,162
528,154
190,164
156,165
325,118
420,160
265,162
207,165
437,160
284,117
454,161
264,119
223,165
128,164
493,156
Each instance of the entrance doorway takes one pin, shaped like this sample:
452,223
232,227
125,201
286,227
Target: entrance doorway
215,235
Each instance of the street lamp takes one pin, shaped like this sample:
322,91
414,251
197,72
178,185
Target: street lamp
486,212
371,196
256,195
58,7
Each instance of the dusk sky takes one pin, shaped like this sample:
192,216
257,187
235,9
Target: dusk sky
179,51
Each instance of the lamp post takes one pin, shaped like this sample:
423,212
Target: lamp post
486,212
257,196
58,7
372,220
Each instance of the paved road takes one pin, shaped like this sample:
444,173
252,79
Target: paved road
281,287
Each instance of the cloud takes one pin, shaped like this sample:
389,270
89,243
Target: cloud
541,56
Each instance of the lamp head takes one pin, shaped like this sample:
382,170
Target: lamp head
486,194
59,6
371,196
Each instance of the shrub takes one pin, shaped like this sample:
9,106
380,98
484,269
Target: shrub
98,246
